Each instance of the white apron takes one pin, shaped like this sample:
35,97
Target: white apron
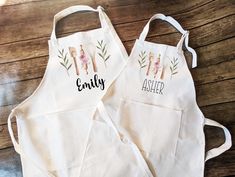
157,107
60,133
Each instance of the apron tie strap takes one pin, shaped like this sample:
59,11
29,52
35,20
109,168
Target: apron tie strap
19,150
104,20
224,147
173,22
13,139
68,11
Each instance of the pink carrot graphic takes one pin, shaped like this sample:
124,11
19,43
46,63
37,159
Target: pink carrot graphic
151,57
156,65
84,59
73,53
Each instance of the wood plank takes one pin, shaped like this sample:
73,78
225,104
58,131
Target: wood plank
110,3
214,73
40,17
23,50
215,136
14,2
204,35
10,165
17,92
114,2
222,166
220,30
228,32
5,140
223,112
216,53
187,19
22,70
4,112
214,93
38,47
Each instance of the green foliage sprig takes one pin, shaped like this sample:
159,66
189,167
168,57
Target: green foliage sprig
102,51
174,66
142,59
64,61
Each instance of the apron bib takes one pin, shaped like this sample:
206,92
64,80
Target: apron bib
57,133
154,106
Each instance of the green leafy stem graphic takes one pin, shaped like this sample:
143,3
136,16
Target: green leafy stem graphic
64,61
142,59
174,66
102,51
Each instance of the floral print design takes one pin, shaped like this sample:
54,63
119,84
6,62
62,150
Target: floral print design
83,59
154,66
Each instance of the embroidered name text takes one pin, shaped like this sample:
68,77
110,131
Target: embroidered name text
153,86
93,83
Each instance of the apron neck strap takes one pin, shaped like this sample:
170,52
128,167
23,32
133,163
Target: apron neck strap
184,39
73,9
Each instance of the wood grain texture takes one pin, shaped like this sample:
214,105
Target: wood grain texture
128,31
25,27
222,112
25,70
5,140
40,16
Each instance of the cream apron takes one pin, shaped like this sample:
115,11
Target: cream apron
60,131
157,110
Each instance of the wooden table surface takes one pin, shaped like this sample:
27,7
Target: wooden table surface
25,27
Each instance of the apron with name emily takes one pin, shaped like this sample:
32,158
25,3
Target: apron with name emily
61,128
